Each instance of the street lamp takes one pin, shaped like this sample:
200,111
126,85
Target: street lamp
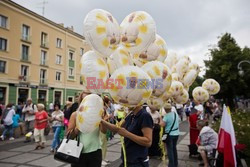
241,71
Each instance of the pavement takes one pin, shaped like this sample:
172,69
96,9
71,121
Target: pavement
17,153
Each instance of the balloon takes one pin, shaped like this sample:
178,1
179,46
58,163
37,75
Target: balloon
101,31
166,96
171,59
182,98
182,67
212,86
176,88
156,102
189,77
89,113
94,72
175,77
156,51
160,75
131,86
200,94
138,31
194,66
187,58
119,58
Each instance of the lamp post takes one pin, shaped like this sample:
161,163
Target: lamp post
241,71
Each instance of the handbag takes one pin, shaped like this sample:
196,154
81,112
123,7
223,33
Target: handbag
165,135
47,130
69,150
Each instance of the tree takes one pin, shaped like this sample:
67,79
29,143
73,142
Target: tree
222,66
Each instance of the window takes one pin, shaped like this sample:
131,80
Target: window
42,96
58,59
71,55
71,72
2,66
3,44
3,93
43,76
81,80
43,57
24,72
3,21
58,76
58,43
25,52
44,39
81,51
25,32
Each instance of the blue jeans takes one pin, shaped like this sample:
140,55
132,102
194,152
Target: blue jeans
8,128
171,143
56,139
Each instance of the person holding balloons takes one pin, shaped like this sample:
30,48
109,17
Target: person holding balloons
91,155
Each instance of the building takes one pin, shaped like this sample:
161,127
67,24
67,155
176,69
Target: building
38,57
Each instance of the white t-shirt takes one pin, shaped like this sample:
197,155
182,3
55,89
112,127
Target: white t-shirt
179,106
58,115
155,116
8,119
29,117
200,108
51,106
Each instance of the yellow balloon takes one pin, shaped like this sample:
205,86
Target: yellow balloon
182,98
176,88
200,94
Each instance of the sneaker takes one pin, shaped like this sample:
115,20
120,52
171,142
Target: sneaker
12,138
104,163
2,137
52,150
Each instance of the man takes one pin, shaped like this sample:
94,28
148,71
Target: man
179,108
51,108
29,110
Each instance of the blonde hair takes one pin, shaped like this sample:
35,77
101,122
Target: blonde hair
40,106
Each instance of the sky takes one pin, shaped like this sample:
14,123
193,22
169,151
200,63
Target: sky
189,27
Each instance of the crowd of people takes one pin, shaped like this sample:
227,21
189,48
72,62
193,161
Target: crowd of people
140,126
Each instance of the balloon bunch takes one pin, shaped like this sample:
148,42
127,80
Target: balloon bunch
131,61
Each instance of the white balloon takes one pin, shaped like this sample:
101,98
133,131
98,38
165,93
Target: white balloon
119,58
171,59
156,51
138,31
155,102
94,72
182,67
182,98
200,94
160,75
89,113
212,86
132,86
176,88
166,96
101,31
189,77
175,77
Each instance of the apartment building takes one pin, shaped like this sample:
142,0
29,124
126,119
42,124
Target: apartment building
38,57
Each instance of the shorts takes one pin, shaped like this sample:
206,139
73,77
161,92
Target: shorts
39,135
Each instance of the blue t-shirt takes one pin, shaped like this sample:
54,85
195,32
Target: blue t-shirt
15,119
169,119
134,124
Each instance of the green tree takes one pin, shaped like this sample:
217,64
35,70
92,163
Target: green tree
222,66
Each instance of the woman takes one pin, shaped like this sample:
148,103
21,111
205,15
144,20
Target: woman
8,114
155,150
171,124
137,131
208,139
67,113
41,120
57,118
91,155
187,109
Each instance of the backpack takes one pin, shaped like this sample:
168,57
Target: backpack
31,106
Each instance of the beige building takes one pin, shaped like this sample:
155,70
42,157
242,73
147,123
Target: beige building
38,58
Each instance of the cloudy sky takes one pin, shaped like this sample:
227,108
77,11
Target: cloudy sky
189,27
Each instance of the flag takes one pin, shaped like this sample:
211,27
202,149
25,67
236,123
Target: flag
227,141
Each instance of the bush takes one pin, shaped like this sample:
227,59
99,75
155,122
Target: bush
241,122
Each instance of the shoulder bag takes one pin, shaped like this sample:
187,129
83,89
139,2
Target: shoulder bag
165,135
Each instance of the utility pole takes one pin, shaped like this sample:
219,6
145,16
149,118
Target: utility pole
43,6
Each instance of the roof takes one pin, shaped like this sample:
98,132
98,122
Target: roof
42,18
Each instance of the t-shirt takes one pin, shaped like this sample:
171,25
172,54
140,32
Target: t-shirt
32,109
134,124
169,119
15,119
58,115
200,108
39,116
155,116
8,119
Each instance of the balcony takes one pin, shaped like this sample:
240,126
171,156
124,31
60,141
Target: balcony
23,79
25,58
26,38
45,45
44,63
43,82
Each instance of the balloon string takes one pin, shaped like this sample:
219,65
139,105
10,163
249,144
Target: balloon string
118,124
